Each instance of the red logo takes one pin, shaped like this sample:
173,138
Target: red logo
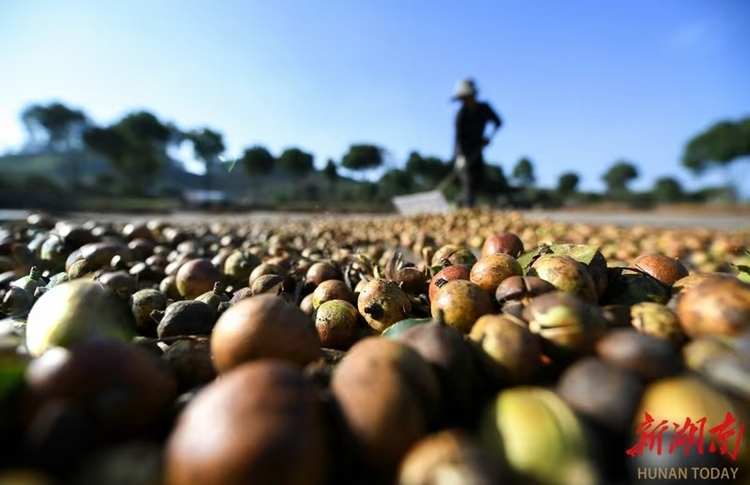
725,438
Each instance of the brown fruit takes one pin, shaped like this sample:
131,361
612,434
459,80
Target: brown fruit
412,280
332,290
462,303
717,307
306,305
263,326
448,273
566,274
508,341
260,423
144,302
336,323
663,268
492,269
101,253
451,457
607,394
386,392
263,269
521,288
322,271
186,317
190,360
647,356
125,389
196,277
382,304
459,368
454,254
657,320
504,242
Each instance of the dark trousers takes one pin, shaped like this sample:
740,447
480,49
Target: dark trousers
471,177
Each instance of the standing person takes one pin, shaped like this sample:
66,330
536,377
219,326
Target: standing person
471,123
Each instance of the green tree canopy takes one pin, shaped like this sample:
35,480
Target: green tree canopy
363,157
135,146
619,176
495,180
207,146
523,173
721,146
256,160
426,170
296,162
331,172
396,182
668,189
58,125
568,182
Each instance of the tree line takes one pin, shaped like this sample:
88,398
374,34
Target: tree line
136,148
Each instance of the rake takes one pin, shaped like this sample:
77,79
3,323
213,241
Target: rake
430,202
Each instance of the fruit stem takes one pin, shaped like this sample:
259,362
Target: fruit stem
440,317
35,273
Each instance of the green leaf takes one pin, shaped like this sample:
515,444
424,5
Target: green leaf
528,258
582,253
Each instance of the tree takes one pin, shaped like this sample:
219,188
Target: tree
668,189
619,176
426,170
62,127
495,183
207,146
256,160
331,172
721,146
568,183
295,162
523,173
363,157
396,182
135,146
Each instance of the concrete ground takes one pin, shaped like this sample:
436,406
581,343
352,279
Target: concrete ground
657,219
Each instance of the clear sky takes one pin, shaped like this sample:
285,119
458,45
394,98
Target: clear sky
579,83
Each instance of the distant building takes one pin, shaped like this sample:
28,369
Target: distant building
204,199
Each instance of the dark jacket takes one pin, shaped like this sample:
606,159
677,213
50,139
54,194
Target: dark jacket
470,127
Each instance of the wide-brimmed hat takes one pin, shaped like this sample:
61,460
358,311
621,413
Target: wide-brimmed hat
465,87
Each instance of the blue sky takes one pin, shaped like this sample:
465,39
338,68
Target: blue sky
580,84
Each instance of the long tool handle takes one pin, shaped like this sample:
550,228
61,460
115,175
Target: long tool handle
454,173
444,183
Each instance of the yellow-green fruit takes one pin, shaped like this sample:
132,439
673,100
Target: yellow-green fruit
383,303
678,398
74,311
542,439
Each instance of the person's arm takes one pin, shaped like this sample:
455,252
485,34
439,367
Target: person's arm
495,119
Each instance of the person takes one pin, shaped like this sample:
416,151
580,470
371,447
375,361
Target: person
471,123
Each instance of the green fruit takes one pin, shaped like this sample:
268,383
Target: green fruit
541,437
395,330
73,311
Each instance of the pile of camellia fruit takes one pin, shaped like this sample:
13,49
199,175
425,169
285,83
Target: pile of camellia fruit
471,348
